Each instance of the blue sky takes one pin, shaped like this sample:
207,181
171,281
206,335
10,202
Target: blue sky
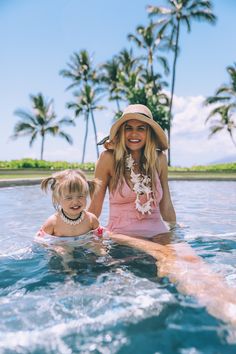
38,37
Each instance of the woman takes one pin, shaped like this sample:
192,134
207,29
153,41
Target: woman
134,169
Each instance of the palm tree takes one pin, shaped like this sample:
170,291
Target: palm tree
130,74
86,103
128,62
40,122
225,96
170,20
80,69
86,79
110,77
150,42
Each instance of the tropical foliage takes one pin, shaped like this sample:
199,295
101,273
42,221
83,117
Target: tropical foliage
169,21
85,79
86,102
146,39
131,78
223,115
110,77
80,69
42,121
57,165
43,164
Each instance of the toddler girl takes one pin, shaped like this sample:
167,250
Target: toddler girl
70,189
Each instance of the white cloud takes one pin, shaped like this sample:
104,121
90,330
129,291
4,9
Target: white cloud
189,139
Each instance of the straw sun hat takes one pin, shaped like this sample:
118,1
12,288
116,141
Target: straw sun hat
143,114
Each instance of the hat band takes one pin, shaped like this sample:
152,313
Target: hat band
142,114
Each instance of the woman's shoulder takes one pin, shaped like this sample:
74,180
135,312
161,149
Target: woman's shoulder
107,155
162,157
162,166
162,161
106,160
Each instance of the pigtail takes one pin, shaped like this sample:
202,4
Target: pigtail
94,186
47,183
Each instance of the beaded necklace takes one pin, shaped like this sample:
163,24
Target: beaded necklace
70,221
141,185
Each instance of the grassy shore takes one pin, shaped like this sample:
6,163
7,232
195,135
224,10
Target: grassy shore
36,173
178,174
30,169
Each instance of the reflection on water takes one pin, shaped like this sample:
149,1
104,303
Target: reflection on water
91,303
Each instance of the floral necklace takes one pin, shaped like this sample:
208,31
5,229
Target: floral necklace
141,185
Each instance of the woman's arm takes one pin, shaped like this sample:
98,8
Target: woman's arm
166,206
103,172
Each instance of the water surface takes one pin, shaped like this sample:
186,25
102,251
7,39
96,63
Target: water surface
91,303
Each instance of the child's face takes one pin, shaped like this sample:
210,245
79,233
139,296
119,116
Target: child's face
73,203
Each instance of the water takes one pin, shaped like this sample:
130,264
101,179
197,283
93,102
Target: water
113,303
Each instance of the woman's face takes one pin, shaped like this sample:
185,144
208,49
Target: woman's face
135,134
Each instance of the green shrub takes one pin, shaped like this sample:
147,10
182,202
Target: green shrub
42,164
89,166
224,167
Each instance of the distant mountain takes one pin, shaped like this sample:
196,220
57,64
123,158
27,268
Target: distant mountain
226,159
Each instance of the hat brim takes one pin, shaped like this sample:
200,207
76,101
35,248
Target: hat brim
162,142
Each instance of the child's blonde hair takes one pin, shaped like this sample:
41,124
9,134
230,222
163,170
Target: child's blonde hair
69,181
149,158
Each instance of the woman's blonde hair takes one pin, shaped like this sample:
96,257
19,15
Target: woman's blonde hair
149,158
69,181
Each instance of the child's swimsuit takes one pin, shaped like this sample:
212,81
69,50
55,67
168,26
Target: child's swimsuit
43,238
125,219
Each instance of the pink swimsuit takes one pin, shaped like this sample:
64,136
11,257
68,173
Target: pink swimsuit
125,219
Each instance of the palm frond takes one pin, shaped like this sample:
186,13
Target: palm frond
22,127
158,10
135,39
66,121
27,116
215,129
186,20
33,138
204,15
67,137
203,5
215,99
165,64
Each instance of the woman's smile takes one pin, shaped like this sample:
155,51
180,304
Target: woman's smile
134,140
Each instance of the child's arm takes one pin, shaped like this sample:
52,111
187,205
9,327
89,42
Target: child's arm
94,221
49,225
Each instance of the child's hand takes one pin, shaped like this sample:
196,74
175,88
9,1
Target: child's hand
41,233
99,231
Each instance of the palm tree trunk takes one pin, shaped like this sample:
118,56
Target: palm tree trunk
151,62
86,135
95,132
232,138
172,90
118,104
152,75
42,147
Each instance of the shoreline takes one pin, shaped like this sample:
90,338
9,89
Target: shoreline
14,182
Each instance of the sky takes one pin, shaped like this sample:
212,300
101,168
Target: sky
38,38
